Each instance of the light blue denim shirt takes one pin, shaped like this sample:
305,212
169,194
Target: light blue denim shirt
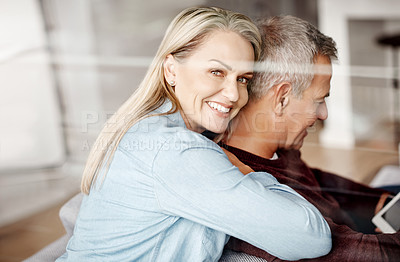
171,194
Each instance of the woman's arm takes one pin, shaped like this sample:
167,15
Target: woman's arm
244,169
195,180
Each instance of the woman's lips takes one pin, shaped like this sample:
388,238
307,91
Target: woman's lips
223,110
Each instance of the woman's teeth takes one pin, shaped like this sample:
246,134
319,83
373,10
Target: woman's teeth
218,107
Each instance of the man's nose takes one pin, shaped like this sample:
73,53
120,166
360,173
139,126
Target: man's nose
322,111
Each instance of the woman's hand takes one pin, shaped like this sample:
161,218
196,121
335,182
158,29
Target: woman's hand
245,169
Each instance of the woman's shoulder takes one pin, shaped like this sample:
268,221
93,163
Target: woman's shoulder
168,130
157,124
171,127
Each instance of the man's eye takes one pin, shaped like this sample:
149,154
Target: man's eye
243,80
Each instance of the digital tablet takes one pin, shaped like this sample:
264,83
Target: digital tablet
388,219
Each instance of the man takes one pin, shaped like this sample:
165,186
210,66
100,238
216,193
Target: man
286,97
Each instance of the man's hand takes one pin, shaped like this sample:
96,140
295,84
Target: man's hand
245,169
385,197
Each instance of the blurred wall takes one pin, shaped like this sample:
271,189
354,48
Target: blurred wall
354,25
373,96
30,124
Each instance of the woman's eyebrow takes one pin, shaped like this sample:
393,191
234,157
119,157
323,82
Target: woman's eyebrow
222,63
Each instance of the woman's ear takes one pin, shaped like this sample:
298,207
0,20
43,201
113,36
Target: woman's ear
169,69
281,97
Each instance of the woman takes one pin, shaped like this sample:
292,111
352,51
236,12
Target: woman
159,190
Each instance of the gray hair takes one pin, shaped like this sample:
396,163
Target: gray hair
290,46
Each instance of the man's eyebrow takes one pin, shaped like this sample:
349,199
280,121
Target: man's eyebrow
222,63
325,96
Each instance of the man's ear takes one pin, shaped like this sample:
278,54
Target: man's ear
169,69
281,97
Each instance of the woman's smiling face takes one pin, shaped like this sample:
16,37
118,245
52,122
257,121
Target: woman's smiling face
211,84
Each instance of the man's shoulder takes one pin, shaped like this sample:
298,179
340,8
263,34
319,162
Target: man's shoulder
292,156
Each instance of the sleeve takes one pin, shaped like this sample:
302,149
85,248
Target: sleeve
331,181
196,181
348,245
357,200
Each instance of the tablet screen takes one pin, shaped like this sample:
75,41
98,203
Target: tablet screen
392,216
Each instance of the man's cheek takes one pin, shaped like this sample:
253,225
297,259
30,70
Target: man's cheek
297,124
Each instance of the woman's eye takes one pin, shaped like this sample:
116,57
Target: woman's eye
216,72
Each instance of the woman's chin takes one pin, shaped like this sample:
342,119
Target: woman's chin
217,130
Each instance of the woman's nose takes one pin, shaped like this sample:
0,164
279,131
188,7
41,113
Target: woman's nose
230,90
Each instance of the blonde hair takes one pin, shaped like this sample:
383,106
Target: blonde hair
185,33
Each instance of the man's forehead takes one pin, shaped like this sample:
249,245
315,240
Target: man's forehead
322,69
322,88
322,65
